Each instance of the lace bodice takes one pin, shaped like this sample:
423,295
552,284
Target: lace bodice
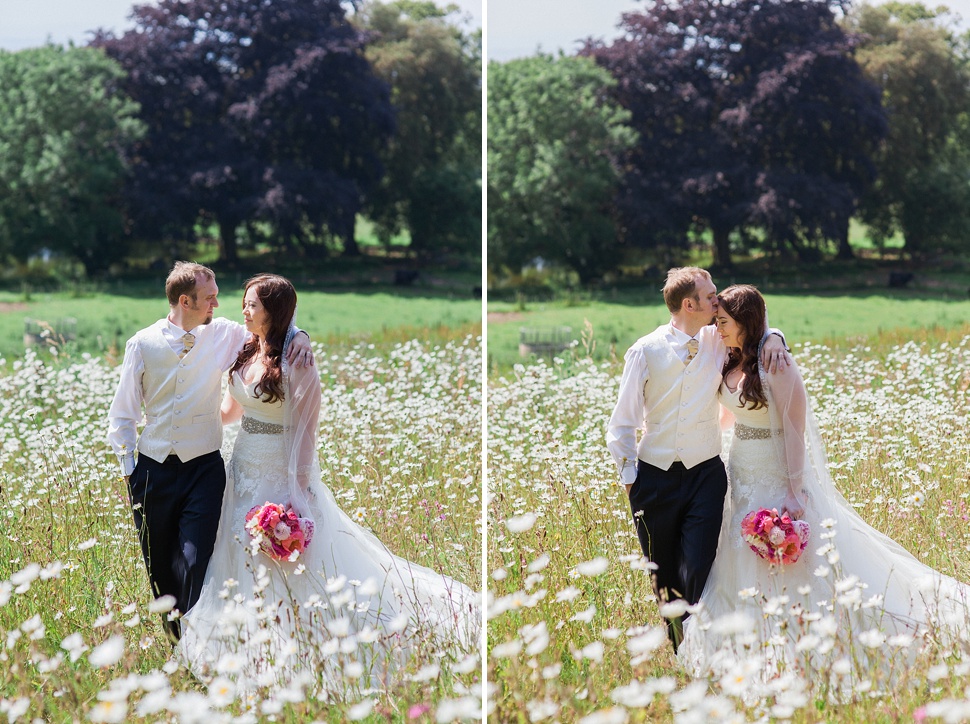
257,469
753,466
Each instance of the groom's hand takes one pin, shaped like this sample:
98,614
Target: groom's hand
774,356
629,487
300,353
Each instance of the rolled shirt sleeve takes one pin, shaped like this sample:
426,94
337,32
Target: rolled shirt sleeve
125,412
627,417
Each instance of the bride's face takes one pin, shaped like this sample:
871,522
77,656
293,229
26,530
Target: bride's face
254,314
728,329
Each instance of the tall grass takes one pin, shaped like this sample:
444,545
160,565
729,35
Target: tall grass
803,317
106,319
400,446
574,632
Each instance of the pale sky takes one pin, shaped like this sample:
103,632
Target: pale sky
518,28
29,23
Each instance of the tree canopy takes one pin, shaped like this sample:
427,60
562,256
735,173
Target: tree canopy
256,111
923,187
65,127
553,133
750,114
432,187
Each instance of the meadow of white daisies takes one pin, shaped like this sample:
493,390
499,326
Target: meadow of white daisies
80,637
574,633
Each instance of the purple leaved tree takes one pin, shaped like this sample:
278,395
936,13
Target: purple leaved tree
753,116
256,111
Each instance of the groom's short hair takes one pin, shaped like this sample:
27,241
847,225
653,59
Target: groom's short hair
681,283
182,279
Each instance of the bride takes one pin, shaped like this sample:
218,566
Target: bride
853,596
346,612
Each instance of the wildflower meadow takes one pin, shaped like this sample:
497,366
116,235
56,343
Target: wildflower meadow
81,638
574,632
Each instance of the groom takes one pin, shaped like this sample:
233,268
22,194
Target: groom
174,368
675,477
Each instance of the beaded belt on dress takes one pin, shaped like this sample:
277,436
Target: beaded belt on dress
744,432
258,427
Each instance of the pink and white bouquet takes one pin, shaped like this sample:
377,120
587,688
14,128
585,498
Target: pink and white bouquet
774,537
282,534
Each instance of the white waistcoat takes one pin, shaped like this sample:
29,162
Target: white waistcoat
680,404
181,398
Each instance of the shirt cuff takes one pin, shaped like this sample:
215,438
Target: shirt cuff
628,474
127,464
780,334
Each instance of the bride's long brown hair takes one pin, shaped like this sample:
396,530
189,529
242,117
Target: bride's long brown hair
278,298
745,305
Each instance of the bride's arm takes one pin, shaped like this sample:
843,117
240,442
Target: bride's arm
230,410
791,403
304,421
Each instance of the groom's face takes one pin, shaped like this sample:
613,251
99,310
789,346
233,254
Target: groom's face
705,303
204,301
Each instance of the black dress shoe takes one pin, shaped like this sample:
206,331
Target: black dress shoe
675,631
173,631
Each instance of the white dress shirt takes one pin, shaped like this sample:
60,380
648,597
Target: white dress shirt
216,347
674,403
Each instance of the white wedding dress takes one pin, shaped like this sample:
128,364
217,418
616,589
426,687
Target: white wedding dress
854,595
345,615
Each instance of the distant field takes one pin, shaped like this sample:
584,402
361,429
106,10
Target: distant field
106,320
803,317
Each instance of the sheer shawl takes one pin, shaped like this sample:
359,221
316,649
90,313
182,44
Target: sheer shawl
390,595
301,424
914,597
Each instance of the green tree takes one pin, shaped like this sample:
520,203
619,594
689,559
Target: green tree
923,186
432,184
64,130
552,135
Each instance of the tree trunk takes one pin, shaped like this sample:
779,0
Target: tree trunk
350,242
350,246
722,247
845,251
228,244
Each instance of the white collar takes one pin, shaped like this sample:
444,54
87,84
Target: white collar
177,331
680,336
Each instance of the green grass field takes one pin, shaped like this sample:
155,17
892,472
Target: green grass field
616,324
400,449
106,319
574,630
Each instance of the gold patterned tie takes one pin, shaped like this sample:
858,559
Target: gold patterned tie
188,342
691,349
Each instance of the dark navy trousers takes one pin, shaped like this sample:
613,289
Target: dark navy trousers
176,506
677,513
